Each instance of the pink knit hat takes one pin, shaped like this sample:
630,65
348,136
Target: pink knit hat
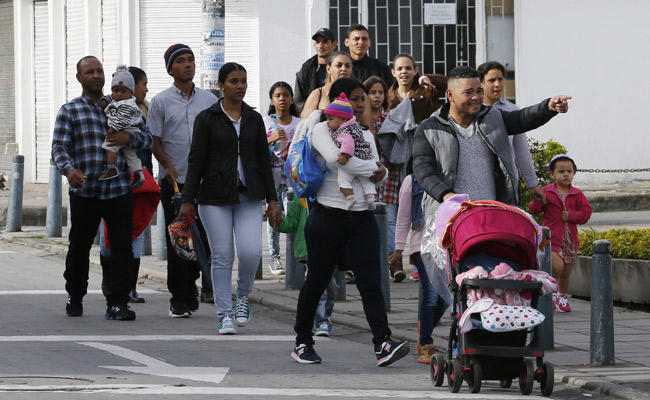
340,107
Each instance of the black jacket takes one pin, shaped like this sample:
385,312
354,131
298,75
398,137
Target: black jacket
212,164
306,80
368,66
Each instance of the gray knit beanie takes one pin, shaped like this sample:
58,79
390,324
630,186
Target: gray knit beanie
122,77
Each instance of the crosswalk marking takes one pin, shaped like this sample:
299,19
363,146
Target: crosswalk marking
252,391
149,338
61,291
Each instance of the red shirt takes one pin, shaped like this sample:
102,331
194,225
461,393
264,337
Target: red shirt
577,205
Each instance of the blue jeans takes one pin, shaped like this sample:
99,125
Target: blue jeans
272,235
391,218
432,306
326,303
246,220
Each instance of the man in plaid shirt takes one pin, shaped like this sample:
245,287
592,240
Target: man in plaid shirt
79,132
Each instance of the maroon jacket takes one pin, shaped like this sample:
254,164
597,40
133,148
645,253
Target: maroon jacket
577,205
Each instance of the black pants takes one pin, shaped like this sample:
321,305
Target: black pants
181,274
350,238
86,213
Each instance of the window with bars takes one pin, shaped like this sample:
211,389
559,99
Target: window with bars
500,39
397,26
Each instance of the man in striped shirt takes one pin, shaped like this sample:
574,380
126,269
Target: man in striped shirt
79,132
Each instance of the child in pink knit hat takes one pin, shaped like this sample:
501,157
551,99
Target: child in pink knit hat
348,136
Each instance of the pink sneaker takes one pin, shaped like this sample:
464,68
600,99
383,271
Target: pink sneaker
415,275
563,303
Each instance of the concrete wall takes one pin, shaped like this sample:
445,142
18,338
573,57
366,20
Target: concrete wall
592,50
630,279
285,30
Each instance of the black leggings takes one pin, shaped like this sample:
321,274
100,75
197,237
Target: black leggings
349,238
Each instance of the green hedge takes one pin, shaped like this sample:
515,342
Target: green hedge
626,243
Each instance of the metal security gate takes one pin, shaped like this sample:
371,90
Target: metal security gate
164,23
500,39
8,146
397,26
110,40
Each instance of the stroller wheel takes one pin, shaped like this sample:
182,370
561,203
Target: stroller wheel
437,370
526,376
547,379
454,375
505,383
473,376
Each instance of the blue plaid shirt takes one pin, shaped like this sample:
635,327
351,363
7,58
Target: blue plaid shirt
79,132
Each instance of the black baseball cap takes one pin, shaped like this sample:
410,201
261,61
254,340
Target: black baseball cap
326,33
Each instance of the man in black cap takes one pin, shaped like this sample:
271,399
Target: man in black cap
313,73
364,66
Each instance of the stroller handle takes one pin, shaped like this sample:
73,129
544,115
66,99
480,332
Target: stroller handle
503,284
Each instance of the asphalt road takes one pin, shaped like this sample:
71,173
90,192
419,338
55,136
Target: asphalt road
46,355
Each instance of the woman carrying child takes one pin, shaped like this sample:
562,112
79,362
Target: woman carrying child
566,207
348,136
334,233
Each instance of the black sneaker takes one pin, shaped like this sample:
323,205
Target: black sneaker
134,297
74,307
207,296
305,354
119,313
391,351
179,311
193,304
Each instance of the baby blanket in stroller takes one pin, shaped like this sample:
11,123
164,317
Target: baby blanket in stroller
500,318
507,297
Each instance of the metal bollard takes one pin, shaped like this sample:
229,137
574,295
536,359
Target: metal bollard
382,223
601,343
54,203
15,208
146,241
545,305
161,242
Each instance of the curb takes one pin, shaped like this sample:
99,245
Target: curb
605,387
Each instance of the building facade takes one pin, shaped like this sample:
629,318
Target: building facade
42,40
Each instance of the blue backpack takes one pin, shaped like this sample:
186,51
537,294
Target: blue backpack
302,170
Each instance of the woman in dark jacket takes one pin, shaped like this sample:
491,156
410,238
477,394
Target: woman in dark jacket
229,174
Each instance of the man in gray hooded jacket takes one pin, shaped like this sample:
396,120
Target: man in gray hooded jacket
464,148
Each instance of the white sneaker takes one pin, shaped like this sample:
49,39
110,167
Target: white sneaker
226,327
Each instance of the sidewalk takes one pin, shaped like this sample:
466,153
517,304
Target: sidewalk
604,198
628,379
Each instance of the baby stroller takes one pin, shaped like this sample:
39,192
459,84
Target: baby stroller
503,240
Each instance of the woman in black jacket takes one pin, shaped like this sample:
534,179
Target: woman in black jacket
229,174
